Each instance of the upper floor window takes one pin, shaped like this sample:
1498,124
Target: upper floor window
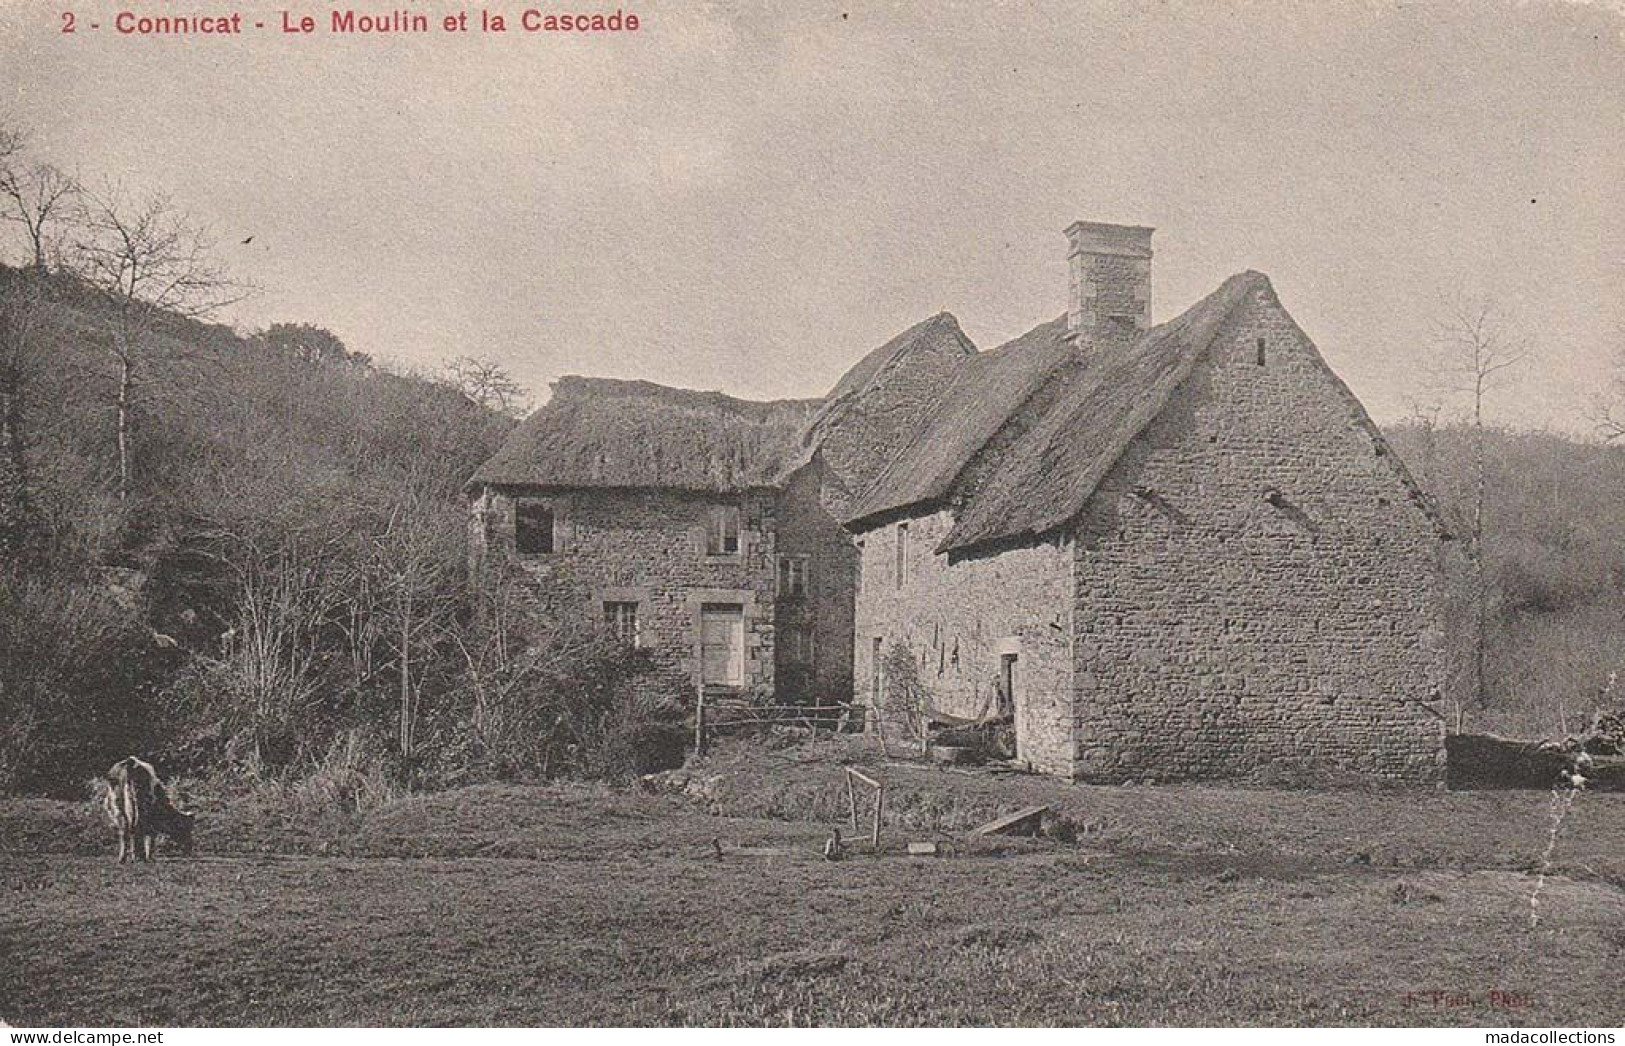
621,619
799,645
792,577
902,554
535,528
722,531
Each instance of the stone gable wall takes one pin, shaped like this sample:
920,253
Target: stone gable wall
1257,593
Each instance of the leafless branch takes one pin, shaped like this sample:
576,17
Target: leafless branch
39,198
152,266
148,259
487,383
1607,410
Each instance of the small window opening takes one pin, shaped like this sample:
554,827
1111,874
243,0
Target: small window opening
792,577
534,524
1260,359
621,619
902,554
722,533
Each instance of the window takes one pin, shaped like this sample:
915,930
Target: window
535,528
799,645
1260,358
621,619
722,531
902,554
792,577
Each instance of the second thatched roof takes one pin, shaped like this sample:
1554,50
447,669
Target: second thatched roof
603,432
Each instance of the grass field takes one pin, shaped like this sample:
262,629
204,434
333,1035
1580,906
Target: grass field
585,905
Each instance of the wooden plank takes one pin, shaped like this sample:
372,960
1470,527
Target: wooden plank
1023,822
699,722
922,849
865,778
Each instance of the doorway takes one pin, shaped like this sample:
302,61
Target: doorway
722,644
1007,684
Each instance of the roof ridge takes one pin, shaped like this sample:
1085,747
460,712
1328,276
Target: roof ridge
1237,289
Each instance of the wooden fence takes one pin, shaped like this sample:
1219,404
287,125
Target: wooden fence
713,713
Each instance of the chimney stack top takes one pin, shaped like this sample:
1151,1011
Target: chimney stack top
1110,295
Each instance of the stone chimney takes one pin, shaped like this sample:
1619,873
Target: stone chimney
1111,281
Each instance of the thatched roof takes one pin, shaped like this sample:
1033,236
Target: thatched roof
601,432
938,334
987,388
1027,431
1014,440
881,401
1047,473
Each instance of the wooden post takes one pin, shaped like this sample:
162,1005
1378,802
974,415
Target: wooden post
699,721
852,801
874,835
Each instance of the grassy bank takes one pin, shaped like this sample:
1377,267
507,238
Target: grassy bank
585,905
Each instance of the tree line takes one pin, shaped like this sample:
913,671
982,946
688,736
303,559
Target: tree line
245,554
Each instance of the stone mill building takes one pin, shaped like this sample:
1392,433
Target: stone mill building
1163,552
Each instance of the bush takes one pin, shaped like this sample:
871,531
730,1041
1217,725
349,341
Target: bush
78,675
571,701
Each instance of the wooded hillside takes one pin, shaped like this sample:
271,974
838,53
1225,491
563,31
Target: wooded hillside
282,588
1554,555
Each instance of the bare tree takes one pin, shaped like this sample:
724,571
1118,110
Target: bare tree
415,561
11,140
1477,344
1607,413
151,265
21,316
39,197
487,383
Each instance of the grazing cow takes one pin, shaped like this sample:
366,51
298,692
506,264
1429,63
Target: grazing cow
139,806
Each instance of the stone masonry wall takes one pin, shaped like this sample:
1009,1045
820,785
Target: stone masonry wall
1257,591
647,547
956,619
825,612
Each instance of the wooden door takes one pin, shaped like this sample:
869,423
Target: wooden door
722,644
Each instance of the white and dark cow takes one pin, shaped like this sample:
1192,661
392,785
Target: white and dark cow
139,806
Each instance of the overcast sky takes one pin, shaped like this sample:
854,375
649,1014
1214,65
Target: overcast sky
750,196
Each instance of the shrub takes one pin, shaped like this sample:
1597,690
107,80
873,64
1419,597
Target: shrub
77,678
570,701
